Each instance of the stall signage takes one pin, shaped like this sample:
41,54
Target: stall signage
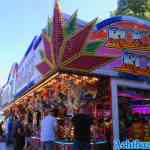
27,71
128,39
134,64
6,94
130,144
8,90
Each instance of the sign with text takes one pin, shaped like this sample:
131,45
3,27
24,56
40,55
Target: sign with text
124,39
134,64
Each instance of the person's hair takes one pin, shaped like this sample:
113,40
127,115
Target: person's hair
46,110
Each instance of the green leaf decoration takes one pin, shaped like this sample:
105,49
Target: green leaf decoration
41,52
71,27
92,46
49,27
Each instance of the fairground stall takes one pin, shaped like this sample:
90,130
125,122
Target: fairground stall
103,65
129,37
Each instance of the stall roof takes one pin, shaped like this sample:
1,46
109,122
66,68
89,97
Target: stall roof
116,19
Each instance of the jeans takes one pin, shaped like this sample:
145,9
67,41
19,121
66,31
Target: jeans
80,145
9,139
49,145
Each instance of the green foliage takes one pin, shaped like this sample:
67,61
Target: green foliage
138,8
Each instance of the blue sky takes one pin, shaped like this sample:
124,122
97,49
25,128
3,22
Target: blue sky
21,20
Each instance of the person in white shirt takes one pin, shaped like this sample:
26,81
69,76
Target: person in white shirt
48,130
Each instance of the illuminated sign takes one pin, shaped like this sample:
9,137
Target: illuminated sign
123,39
134,64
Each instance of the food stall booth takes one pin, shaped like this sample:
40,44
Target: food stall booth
54,69
103,65
130,74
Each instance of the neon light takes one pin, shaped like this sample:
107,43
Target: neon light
141,109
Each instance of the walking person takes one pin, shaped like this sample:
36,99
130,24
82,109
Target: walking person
82,134
28,137
9,130
10,124
19,135
48,129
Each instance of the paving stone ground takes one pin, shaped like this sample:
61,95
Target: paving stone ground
4,147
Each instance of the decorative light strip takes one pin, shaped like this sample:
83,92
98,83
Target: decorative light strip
141,109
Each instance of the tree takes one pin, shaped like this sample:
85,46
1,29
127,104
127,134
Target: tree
138,8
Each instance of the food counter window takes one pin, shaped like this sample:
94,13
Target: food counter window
134,113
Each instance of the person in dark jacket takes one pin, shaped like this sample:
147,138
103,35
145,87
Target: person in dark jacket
9,126
19,138
82,134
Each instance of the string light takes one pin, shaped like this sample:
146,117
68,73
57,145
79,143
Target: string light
53,82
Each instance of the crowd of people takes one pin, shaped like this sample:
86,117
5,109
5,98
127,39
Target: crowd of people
54,113
25,120
18,134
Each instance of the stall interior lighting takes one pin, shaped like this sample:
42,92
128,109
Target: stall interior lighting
61,77
21,99
36,88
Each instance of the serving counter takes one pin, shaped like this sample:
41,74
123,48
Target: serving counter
65,144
